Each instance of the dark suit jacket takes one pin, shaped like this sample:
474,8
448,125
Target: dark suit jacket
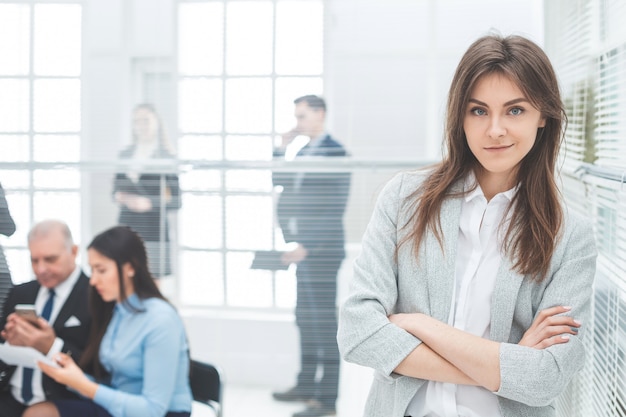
7,228
74,338
317,204
148,224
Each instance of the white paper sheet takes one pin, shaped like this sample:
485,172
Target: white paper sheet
23,356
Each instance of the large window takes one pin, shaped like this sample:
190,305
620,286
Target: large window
40,68
587,41
241,64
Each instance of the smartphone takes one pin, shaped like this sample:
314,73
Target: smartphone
27,311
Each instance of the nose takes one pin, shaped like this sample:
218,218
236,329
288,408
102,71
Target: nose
39,268
496,128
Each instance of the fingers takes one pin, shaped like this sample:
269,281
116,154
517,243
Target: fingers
551,327
44,367
42,323
554,316
63,360
551,341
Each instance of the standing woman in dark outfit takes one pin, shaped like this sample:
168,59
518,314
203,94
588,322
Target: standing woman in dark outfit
7,228
146,197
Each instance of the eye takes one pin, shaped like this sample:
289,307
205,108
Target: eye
516,111
477,111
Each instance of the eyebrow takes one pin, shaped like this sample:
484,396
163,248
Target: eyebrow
508,103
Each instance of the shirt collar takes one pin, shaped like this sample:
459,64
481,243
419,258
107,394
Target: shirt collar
64,289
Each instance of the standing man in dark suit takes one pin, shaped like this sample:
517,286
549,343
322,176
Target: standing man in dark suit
59,294
310,212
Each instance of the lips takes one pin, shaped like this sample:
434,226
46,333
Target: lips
498,148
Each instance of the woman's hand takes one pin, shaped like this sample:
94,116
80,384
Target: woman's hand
402,320
550,327
295,256
68,373
134,202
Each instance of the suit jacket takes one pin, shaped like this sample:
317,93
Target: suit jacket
7,228
316,201
531,379
74,337
148,224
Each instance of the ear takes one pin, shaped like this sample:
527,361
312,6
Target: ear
128,270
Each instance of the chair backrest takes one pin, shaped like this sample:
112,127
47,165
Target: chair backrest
206,385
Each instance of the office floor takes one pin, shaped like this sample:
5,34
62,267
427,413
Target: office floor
242,401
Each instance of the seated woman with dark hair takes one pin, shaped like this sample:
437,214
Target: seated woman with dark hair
137,350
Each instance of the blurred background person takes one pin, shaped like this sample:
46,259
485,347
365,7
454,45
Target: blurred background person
7,228
146,197
310,212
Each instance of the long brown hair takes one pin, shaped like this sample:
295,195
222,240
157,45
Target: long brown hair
537,214
122,245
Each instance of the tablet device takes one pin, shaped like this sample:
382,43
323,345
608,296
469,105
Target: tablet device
268,259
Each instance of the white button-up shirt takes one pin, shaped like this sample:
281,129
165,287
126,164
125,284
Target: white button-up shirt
478,259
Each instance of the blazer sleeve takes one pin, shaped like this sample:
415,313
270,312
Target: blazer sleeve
537,376
7,225
365,335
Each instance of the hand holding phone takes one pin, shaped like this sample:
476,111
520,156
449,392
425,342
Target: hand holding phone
28,312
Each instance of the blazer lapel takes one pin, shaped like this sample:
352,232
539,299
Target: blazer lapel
441,264
508,284
69,306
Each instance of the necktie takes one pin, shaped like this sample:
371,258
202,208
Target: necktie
27,375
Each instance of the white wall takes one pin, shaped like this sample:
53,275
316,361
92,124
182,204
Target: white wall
388,64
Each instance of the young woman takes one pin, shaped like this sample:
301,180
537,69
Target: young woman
474,279
145,198
137,351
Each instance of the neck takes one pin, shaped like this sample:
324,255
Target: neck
315,135
493,184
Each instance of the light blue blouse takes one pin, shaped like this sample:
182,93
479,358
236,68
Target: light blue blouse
146,354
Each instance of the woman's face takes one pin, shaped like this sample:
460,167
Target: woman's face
104,276
500,125
145,125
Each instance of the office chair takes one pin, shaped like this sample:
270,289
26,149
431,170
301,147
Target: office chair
206,385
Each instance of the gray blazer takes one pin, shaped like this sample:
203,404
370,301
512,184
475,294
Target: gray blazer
531,379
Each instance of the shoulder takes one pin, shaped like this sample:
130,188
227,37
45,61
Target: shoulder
27,286
159,308
82,281
332,146
576,241
577,227
404,183
127,152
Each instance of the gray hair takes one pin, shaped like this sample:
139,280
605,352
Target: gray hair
46,227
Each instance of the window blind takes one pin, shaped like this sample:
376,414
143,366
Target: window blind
586,40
